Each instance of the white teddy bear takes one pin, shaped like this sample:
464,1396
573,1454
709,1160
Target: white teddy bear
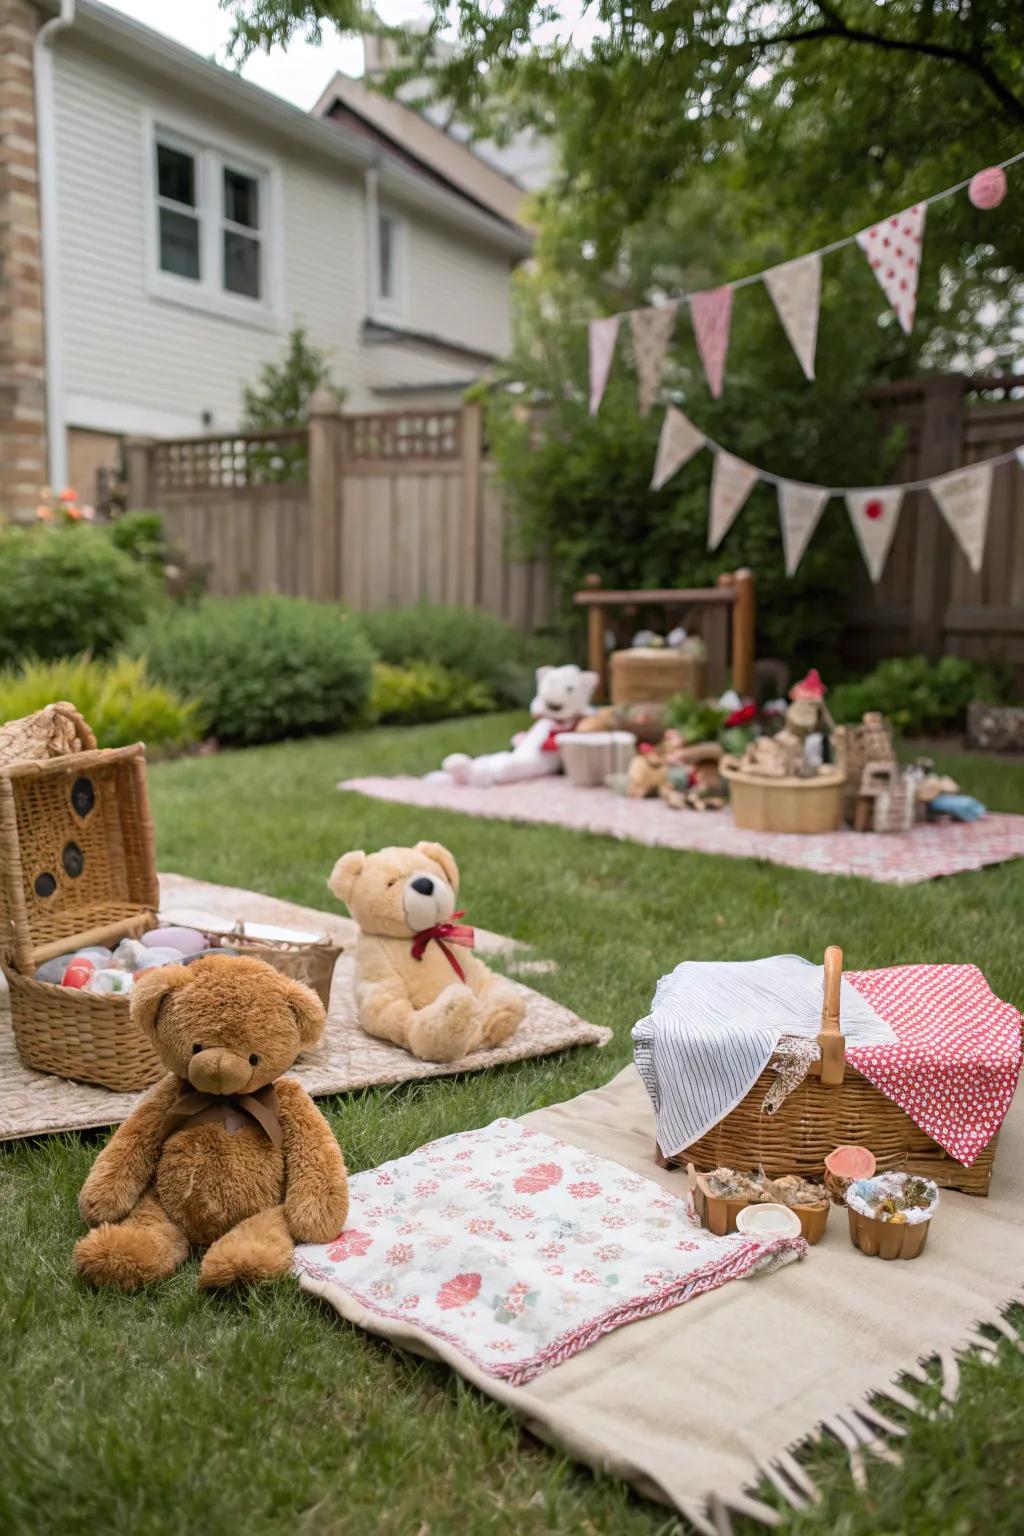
563,698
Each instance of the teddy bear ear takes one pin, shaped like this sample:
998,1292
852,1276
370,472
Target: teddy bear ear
541,673
345,874
307,1008
149,992
589,682
440,855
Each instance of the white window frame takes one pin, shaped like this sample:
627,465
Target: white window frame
211,159
395,306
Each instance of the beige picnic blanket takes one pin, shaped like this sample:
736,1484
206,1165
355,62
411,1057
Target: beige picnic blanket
33,1103
691,1406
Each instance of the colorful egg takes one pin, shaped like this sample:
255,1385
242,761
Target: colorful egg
187,941
78,973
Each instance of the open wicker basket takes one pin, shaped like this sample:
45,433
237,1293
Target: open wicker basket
78,867
833,1106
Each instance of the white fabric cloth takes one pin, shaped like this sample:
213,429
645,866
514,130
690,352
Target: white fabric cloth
714,1026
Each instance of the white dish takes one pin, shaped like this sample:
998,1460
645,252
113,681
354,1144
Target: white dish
768,1220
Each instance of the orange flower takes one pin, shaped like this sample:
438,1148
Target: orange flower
69,494
44,513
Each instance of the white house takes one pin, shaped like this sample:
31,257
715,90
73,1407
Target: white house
187,220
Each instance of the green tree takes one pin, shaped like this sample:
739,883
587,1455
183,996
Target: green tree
279,400
699,141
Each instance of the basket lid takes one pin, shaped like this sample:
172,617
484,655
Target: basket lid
77,854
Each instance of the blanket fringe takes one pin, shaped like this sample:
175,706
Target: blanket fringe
862,1429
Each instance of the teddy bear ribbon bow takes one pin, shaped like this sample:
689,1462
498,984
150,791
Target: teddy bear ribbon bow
445,934
231,1110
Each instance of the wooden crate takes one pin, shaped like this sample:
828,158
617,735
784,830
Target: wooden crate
648,675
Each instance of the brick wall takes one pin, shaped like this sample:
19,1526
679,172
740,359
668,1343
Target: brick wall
22,358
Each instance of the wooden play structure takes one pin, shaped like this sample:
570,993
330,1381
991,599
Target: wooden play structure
724,616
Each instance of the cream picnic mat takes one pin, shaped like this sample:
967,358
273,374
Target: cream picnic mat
692,1406
32,1103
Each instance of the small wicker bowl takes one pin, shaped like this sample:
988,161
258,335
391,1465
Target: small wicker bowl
719,1215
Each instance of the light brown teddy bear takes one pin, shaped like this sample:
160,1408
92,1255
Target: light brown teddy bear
223,1153
417,985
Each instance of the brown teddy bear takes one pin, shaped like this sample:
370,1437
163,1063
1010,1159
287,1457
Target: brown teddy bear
416,983
223,1153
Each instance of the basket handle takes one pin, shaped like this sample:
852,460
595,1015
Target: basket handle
833,1046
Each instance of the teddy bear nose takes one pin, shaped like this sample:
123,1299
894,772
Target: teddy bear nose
424,885
218,1071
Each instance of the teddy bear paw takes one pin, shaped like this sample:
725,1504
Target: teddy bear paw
459,765
502,1020
126,1257
448,1029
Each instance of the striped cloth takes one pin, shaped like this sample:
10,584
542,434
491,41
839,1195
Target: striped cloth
714,1026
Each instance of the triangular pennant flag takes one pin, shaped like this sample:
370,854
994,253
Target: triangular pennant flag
601,336
678,443
731,484
711,313
894,248
795,288
874,515
800,507
963,499
652,330
1020,456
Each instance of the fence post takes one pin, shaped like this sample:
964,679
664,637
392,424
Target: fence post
940,447
138,472
471,442
324,493
744,620
597,658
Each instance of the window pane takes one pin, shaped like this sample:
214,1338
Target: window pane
179,243
386,263
241,199
176,175
241,264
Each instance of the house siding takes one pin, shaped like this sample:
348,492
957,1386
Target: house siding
133,361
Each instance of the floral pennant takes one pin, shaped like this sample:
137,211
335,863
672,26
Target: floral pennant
678,443
731,484
894,248
795,289
601,337
800,507
874,515
652,330
711,313
963,498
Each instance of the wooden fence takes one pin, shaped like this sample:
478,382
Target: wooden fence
928,599
371,510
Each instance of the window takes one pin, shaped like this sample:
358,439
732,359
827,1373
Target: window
390,259
178,212
213,244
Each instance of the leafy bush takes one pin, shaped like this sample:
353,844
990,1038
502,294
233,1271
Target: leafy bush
263,667
465,640
915,694
695,719
141,536
425,691
115,697
64,591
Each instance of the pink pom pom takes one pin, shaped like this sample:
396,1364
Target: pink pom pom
988,187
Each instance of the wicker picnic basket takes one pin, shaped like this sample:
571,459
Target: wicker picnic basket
78,867
833,1106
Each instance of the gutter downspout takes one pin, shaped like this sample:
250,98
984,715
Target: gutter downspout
372,238
49,244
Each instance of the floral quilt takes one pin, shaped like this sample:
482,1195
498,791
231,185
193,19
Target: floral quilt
520,1250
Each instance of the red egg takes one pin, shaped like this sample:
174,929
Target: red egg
78,973
988,188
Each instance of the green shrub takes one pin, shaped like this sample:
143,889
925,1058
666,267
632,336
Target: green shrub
466,640
696,719
916,695
425,691
65,591
263,667
141,536
115,697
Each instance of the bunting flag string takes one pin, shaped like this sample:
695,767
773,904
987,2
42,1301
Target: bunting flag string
963,496
893,246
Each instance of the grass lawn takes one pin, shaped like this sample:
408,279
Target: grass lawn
173,1412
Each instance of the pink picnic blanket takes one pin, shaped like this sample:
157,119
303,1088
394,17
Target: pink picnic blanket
958,1056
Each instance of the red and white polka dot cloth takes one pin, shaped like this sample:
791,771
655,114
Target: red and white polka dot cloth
956,1065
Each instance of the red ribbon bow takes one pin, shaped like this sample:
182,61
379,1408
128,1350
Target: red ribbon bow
454,933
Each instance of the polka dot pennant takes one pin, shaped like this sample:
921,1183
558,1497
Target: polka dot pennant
894,248
874,514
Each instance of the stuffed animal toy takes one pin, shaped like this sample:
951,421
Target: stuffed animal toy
223,1153
562,699
412,987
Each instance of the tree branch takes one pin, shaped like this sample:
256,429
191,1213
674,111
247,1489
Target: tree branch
837,28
